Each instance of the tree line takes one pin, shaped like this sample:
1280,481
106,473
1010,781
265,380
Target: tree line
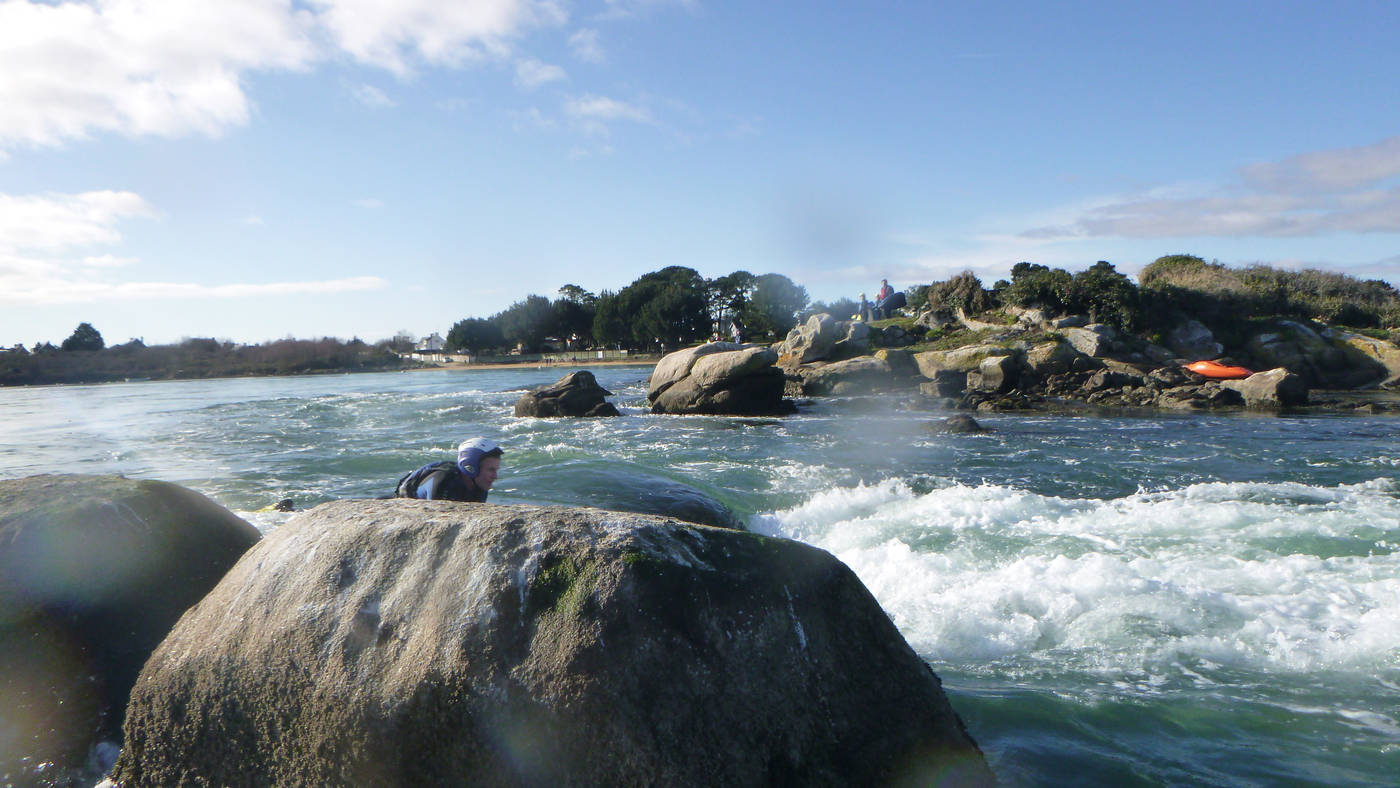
669,308
84,357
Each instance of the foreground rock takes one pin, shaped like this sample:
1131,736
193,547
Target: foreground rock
719,378
94,571
429,643
575,394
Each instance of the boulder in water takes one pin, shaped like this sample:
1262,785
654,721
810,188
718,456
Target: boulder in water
719,378
811,341
575,394
1272,389
431,643
94,571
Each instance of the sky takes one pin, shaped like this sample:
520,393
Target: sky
251,170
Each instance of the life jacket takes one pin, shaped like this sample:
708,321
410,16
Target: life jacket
410,482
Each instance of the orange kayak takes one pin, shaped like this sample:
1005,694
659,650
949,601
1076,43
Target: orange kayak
1211,369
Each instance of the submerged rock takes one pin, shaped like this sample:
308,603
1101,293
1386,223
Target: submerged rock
959,424
575,394
431,643
94,571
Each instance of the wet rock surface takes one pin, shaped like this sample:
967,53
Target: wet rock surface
432,643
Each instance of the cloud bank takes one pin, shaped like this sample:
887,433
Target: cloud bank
69,70
42,261
1346,190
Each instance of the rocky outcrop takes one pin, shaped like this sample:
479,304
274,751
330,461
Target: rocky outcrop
94,571
811,341
719,378
860,375
575,394
1055,357
1094,340
855,340
1192,341
430,643
963,359
1320,361
995,375
1385,354
1271,390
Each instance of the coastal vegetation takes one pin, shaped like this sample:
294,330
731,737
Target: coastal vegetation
676,306
85,358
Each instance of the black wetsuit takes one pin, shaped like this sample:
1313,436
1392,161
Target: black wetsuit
440,481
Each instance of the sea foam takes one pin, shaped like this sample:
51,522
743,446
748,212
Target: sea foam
1265,577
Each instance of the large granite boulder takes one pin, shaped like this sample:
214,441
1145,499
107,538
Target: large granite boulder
575,394
1271,390
94,571
1094,340
860,375
855,340
995,375
720,378
1055,357
811,341
962,359
1307,352
431,643
1192,341
1384,354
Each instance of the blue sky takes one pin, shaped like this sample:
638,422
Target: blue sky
258,169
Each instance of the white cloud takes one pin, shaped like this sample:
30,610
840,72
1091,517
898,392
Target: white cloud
55,222
1342,169
137,67
371,97
394,35
59,290
39,235
73,68
586,45
1348,190
107,261
593,113
531,73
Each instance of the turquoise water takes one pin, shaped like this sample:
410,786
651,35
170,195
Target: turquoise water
1205,600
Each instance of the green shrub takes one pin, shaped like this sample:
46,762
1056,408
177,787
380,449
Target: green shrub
963,291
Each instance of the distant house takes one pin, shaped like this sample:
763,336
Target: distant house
431,344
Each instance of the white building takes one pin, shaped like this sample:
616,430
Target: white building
431,344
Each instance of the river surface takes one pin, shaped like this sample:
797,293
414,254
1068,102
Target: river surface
1174,599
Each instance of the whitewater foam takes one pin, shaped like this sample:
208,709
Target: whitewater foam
1273,577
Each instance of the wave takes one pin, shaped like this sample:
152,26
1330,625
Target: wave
1220,576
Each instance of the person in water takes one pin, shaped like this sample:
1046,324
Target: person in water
468,479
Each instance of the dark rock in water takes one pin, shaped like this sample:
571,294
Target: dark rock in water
959,423
419,643
575,394
94,571
284,505
631,488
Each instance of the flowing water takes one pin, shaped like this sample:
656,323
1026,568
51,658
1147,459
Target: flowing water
1192,599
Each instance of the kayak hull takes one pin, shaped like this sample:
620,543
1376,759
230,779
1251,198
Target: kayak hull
1217,371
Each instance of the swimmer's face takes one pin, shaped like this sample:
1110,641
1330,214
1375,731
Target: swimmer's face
490,468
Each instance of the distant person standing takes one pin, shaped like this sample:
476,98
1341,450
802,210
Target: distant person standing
468,479
736,330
